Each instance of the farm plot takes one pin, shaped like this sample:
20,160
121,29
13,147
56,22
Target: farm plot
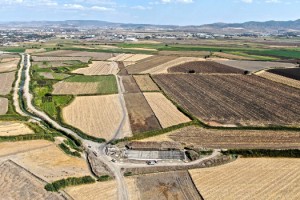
130,86
149,63
47,64
253,66
6,80
50,59
279,79
231,56
253,178
120,57
292,73
185,53
51,164
232,139
170,185
145,83
56,76
100,190
9,66
99,68
14,128
137,57
241,101
141,116
3,105
204,67
167,114
69,53
163,68
79,85
98,116
17,183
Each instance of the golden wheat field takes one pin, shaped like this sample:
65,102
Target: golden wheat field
99,68
167,114
279,79
250,178
145,83
121,57
74,88
98,116
14,128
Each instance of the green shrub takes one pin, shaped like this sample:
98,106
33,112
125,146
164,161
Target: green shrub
67,150
60,184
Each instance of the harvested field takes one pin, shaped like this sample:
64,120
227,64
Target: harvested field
163,68
14,128
98,116
66,88
69,53
120,57
51,164
141,116
231,56
149,63
170,185
51,75
204,67
50,59
145,83
137,57
5,56
9,66
55,64
241,101
232,139
292,73
253,178
100,190
99,68
32,51
279,79
253,66
130,85
6,80
201,54
17,183
3,105
167,114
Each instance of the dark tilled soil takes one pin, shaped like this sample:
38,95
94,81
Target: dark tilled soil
293,73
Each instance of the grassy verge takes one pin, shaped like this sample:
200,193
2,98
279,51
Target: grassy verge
60,184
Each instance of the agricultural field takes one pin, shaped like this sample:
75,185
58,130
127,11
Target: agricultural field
98,116
70,53
120,57
204,67
14,128
99,68
48,64
137,57
17,183
34,51
145,83
141,116
231,56
7,66
279,79
53,76
6,80
166,113
55,59
79,85
232,139
163,68
201,54
149,63
292,73
3,105
241,101
130,85
250,178
100,190
170,185
253,66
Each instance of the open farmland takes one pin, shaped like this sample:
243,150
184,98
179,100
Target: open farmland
6,80
69,53
137,57
232,139
140,113
170,185
48,64
253,66
163,68
242,100
279,79
253,178
292,73
99,68
231,56
17,183
149,63
167,114
86,85
50,59
201,54
3,105
98,116
100,190
204,67
9,66
14,128
51,75
120,57
130,85
145,83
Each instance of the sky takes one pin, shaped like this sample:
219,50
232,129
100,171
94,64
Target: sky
171,12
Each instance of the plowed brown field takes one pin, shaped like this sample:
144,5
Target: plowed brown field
279,79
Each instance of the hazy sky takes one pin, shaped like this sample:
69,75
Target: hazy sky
179,12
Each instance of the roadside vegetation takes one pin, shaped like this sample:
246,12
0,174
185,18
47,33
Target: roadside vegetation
72,181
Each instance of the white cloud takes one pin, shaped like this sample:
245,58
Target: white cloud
247,1
141,7
171,1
